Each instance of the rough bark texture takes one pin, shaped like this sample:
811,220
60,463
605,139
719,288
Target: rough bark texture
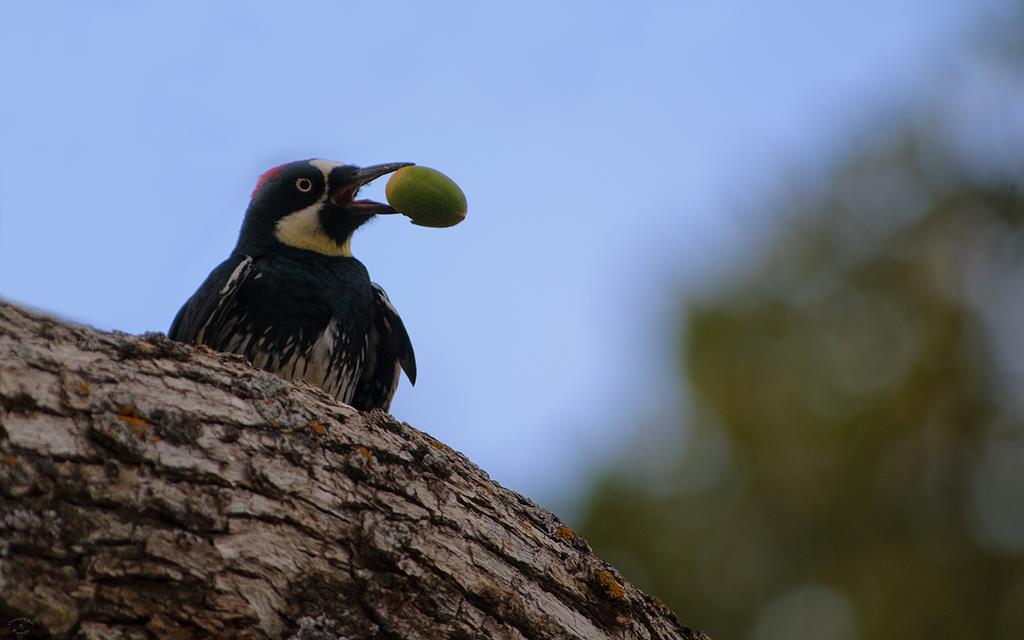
153,490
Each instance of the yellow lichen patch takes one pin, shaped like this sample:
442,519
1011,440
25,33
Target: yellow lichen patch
316,426
660,604
129,415
612,588
128,410
133,421
565,533
367,455
437,444
10,460
138,426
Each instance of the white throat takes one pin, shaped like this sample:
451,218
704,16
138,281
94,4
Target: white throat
302,230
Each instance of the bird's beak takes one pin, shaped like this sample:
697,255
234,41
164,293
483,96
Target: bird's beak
342,195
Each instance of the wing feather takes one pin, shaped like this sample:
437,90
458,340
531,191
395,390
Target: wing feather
388,351
209,316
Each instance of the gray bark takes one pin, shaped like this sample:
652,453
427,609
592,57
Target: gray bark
153,490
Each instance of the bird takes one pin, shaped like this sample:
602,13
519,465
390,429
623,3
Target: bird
293,300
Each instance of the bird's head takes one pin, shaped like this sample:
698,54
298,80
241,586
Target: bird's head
311,205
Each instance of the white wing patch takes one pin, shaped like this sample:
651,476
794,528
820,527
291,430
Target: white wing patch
242,267
227,294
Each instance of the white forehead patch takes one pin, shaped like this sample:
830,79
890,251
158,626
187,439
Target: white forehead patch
325,167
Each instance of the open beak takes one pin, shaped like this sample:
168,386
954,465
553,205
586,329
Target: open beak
343,195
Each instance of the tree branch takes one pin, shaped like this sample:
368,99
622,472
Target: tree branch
151,489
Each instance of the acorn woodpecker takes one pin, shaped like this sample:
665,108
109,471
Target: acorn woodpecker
293,300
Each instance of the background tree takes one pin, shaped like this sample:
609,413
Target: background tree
854,459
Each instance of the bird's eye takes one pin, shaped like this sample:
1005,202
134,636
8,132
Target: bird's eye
304,185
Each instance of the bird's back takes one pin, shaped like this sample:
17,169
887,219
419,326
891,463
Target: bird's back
295,313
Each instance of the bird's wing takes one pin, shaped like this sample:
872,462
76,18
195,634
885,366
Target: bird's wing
237,311
388,349
206,315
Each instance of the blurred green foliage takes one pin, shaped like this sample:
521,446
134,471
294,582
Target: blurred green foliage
853,464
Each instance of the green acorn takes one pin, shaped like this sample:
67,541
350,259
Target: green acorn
428,197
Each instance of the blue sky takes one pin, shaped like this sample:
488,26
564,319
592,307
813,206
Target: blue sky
610,153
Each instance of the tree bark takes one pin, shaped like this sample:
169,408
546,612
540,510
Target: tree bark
149,489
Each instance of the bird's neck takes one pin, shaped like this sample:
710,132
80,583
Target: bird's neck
304,230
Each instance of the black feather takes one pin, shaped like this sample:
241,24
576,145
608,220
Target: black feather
303,315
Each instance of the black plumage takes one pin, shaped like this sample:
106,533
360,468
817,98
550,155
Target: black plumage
291,298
